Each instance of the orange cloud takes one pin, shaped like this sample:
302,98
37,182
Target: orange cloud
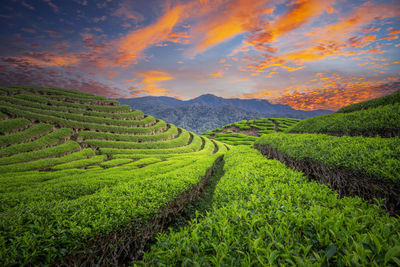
237,17
112,74
301,12
151,83
333,98
132,45
49,59
217,74
394,32
261,94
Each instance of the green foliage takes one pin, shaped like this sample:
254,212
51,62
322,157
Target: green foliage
262,126
179,141
382,120
50,139
43,153
84,125
32,132
115,162
80,163
170,133
7,126
91,110
371,156
374,103
3,116
46,110
264,214
46,162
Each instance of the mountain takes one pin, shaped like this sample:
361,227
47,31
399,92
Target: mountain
208,111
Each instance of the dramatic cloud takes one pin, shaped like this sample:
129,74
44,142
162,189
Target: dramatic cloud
334,98
248,48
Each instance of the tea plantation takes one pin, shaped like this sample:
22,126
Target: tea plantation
86,181
247,132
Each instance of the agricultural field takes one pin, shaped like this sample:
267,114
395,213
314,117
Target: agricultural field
87,181
246,132
82,176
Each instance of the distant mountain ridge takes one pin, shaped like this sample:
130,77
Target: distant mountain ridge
208,111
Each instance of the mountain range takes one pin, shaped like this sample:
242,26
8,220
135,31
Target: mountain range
208,111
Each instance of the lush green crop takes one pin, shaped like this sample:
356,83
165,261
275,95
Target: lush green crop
181,140
7,126
382,120
159,125
80,163
371,156
54,151
172,132
264,214
137,196
83,109
115,162
51,139
374,103
59,198
43,163
193,146
3,116
33,132
246,130
45,110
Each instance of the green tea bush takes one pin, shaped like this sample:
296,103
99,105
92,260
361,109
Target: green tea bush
7,126
264,214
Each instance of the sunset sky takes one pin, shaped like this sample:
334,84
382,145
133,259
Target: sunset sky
308,54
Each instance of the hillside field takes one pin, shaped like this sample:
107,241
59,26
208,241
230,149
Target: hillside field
87,181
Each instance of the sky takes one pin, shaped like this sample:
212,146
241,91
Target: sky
308,54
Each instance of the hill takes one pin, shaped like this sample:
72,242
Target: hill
208,112
85,181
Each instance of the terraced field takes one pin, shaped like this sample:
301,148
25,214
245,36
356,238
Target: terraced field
82,176
247,132
86,181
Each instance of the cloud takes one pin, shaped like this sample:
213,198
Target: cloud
55,8
126,11
217,74
299,13
133,44
45,59
237,17
23,73
53,33
335,97
151,83
28,30
27,5
102,18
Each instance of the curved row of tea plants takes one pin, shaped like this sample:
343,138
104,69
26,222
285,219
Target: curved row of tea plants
264,214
